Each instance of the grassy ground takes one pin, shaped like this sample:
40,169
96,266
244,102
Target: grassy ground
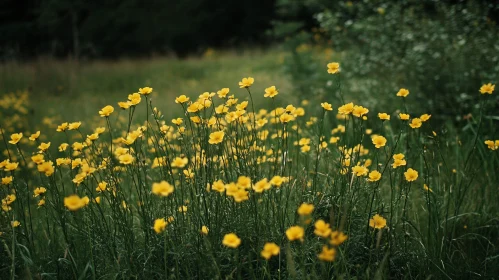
74,91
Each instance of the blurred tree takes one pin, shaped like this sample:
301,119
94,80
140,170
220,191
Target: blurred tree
112,28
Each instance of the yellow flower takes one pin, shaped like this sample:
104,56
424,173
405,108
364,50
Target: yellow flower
333,67
285,118
178,121
377,222
262,185
493,145
326,106
160,225
125,105
15,224
126,159
73,202
295,233
38,159
398,160
426,188
374,176
218,186
162,188
305,209
46,167
101,187
74,125
327,254
411,175
14,138
246,82
384,116
134,98
204,230
41,202
182,209
360,170
403,92
180,162
181,99
106,111
415,123
425,117
379,141
271,92
404,117
44,146
487,88
359,111
269,250
223,92
7,180
39,191
216,137
34,136
322,229
11,166
231,240
63,147
337,238
277,181
63,126
346,109
145,90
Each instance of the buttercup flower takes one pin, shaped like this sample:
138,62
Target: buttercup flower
106,111
269,250
204,230
160,225
181,99
411,175
271,92
333,67
216,137
379,141
305,209
487,88
322,229
384,116
14,138
246,82
346,109
403,92
374,176
145,90
377,222
404,117
162,188
493,145
327,254
415,123
326,106
34,136
73,202
295,233
231,240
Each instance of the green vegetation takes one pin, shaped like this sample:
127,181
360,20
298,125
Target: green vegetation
200,186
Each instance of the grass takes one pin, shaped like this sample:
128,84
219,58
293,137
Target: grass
296,176
73,90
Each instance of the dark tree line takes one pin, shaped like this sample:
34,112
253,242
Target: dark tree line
112,28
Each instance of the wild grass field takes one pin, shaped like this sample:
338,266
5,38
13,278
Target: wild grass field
215,168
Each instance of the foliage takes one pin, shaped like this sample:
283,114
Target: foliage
201,195
440,50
